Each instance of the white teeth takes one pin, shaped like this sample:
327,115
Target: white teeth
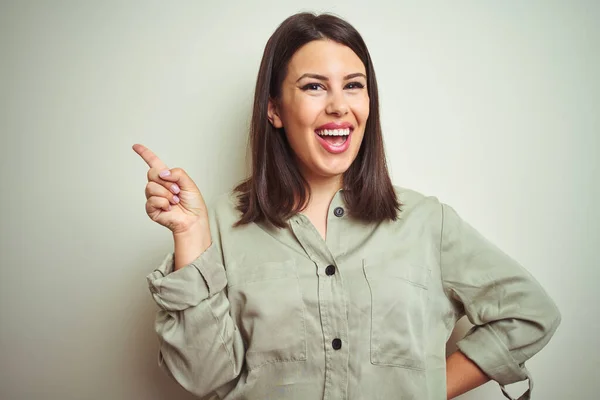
334,132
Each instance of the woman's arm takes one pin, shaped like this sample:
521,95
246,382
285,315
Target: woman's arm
513,316
200,344
462,375
190,245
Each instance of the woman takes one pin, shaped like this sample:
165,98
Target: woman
317,278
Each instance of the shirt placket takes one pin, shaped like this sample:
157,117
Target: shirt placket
332,305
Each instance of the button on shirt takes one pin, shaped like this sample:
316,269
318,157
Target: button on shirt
270,313
330,270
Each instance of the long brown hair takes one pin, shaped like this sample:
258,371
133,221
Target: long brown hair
275,189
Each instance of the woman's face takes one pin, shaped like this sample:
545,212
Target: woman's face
323,107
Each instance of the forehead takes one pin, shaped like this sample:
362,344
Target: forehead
324,57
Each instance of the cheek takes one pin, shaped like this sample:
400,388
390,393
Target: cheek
361,109
298,118
361,112
302,112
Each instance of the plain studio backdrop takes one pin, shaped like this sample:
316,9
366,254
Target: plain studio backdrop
493,107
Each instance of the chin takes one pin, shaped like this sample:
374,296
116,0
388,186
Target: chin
334,169
327,165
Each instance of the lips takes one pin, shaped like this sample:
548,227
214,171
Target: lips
336,126
335,144
335,137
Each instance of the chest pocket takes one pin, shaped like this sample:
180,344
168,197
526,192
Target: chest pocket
270,312
399,300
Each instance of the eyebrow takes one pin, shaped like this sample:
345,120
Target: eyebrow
324,78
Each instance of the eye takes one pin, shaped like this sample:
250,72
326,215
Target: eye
355,85
312,86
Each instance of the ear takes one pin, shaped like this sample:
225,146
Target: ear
273,114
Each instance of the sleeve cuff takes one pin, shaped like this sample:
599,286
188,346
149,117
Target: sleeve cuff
482,346
189,285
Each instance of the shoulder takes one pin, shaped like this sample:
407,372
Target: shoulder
223,207
412,200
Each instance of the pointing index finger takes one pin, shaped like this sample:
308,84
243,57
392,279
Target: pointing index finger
151,159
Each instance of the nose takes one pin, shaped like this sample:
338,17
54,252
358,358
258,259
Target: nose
337,104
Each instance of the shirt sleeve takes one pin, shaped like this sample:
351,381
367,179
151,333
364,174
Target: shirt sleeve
513,317
200,345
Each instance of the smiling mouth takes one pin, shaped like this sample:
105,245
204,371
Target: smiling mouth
335,137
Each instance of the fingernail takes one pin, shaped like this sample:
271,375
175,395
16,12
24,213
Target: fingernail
175,188
164,173
175,199
169,209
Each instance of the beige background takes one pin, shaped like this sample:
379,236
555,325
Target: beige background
491,106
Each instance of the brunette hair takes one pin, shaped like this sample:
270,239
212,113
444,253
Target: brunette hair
275,189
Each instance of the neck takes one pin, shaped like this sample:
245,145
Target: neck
322,190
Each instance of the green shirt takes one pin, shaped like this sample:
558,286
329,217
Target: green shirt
268,313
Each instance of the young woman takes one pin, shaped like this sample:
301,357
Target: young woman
317,278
